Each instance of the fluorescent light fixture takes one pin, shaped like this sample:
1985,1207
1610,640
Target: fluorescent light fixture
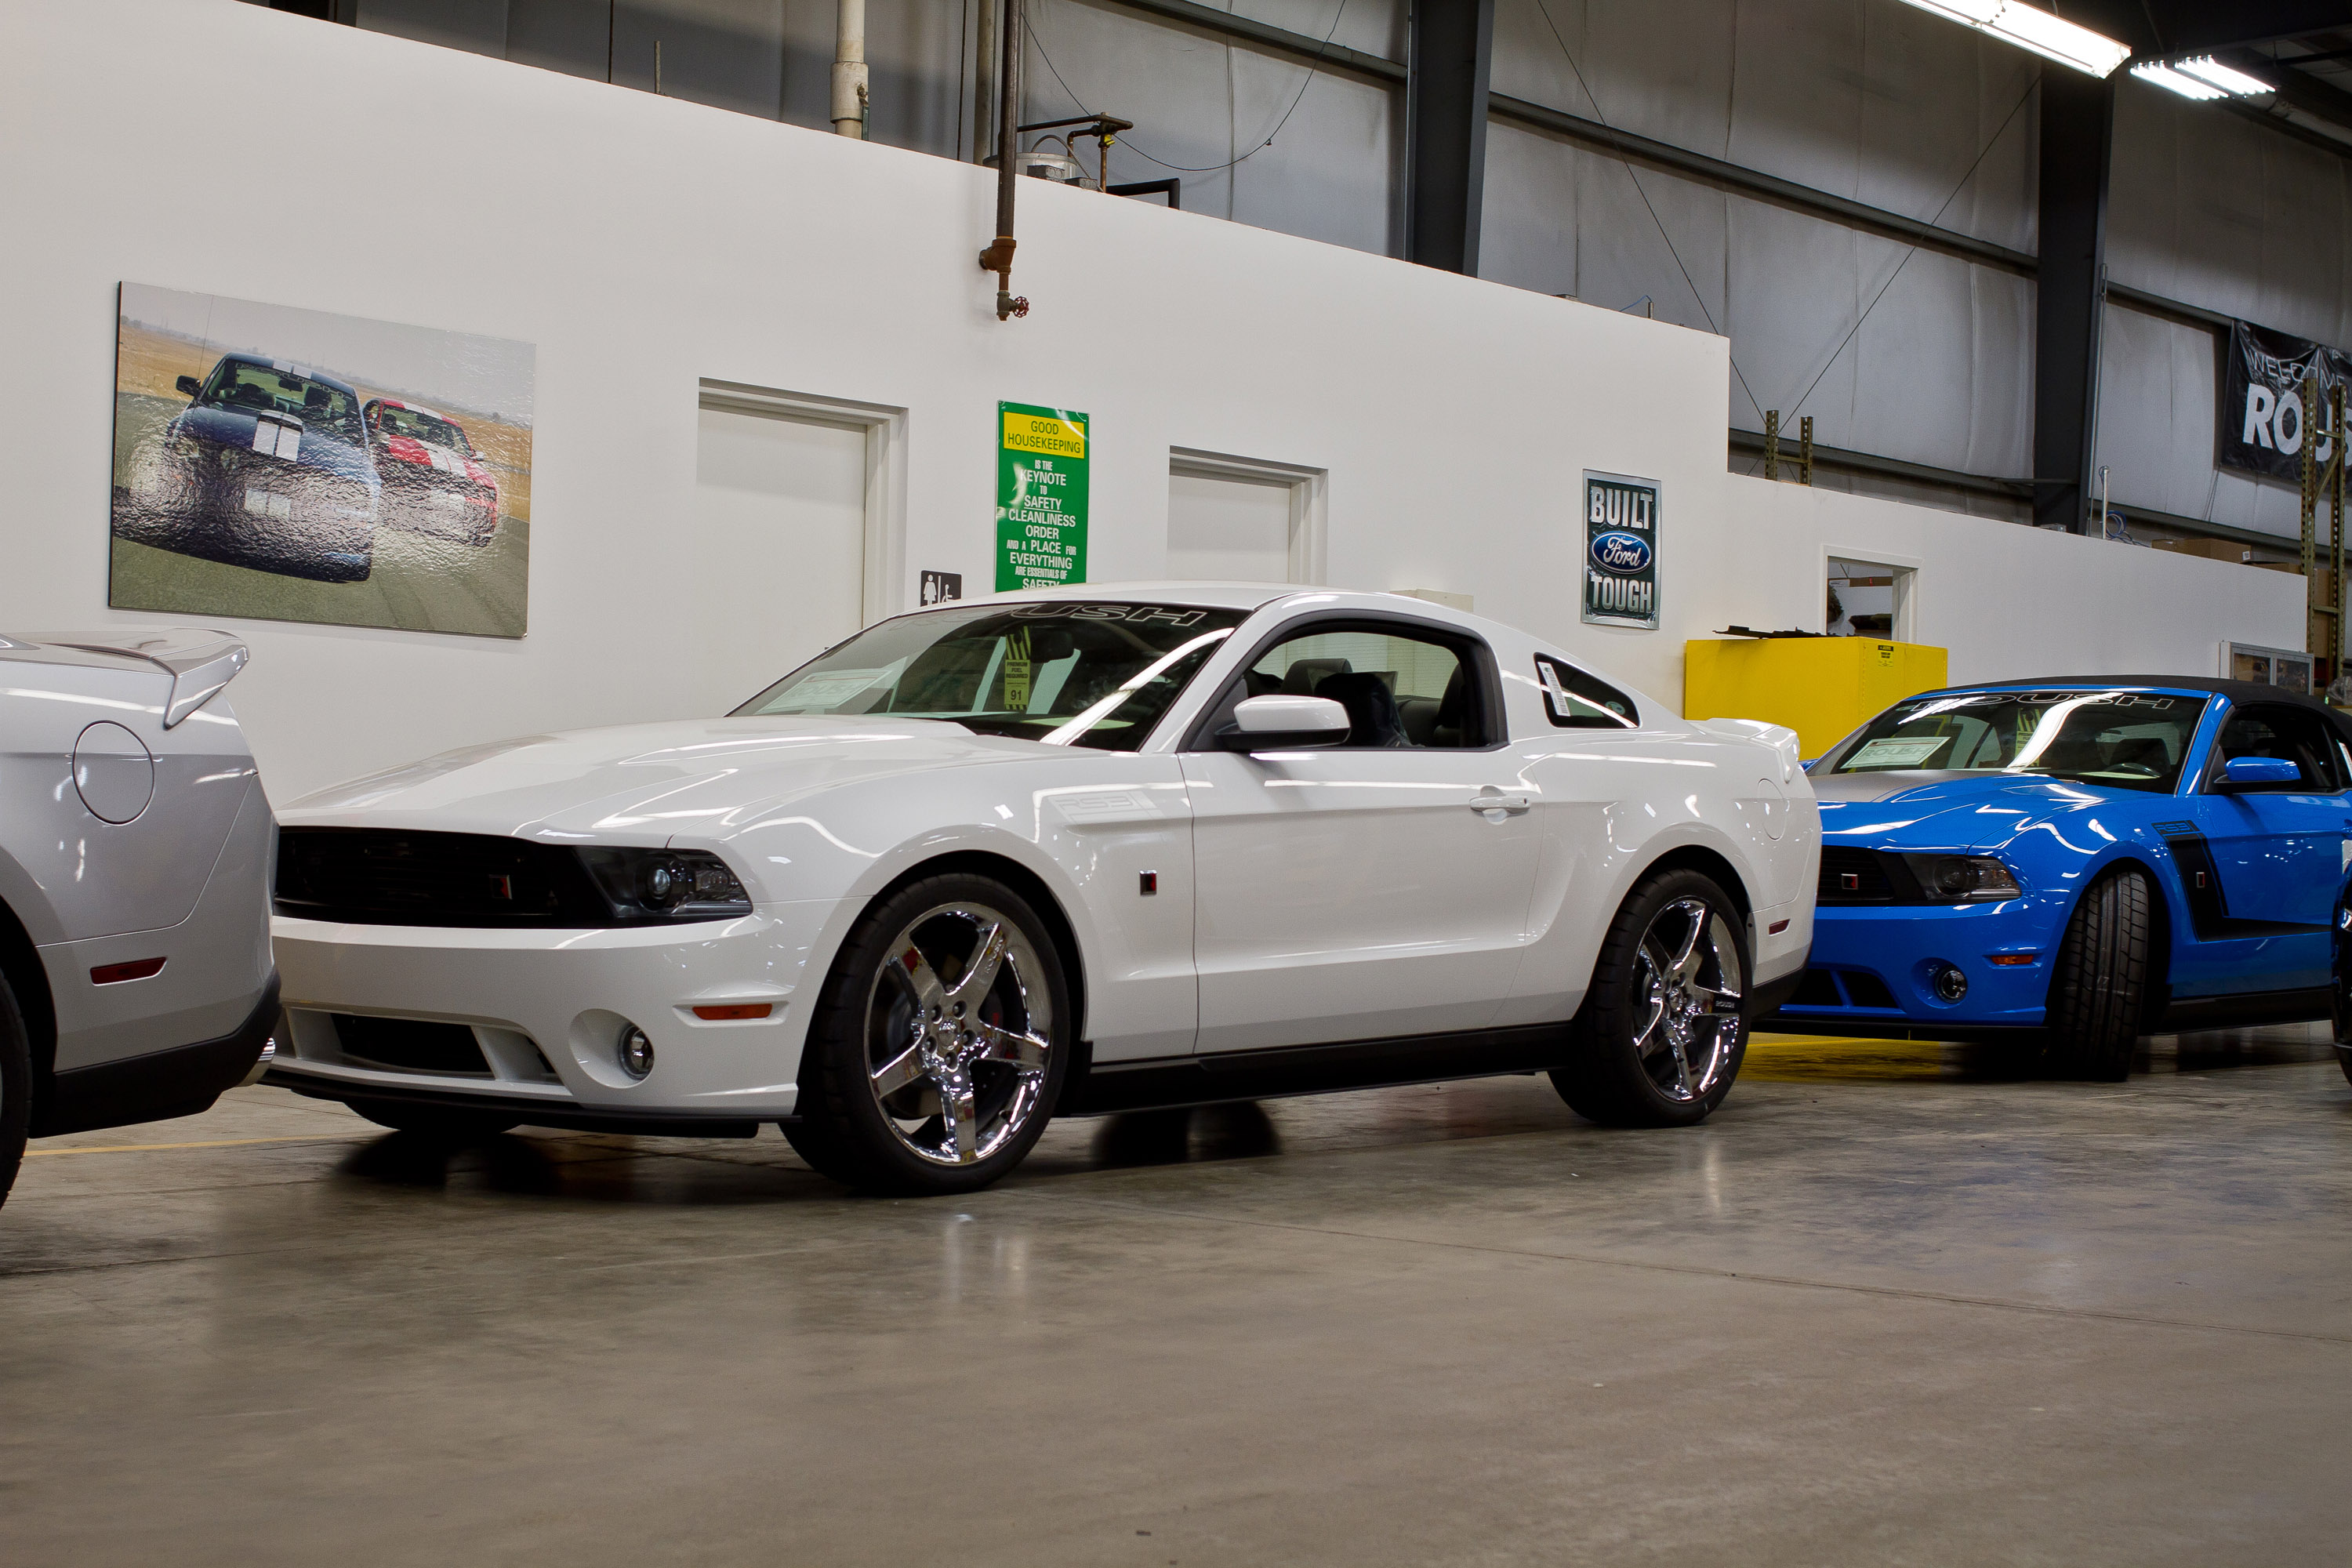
2030,27
2172,80
2236,83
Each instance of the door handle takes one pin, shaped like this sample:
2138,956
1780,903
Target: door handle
1491,799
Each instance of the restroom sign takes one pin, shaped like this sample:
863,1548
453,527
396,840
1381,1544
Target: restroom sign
1040,497
1621,550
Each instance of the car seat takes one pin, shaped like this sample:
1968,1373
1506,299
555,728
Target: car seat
1453,711
1419,719
1372,717
1305,677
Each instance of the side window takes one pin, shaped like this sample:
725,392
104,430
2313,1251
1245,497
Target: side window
2293,734
1575,700
1401,687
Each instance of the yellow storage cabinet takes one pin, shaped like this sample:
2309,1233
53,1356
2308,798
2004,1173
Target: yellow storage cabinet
1822,687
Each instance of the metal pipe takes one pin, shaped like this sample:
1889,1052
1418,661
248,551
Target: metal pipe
998,257
2313,640
2336,536
983,83
850,82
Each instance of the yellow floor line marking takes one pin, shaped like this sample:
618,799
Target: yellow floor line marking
215,1143
1796,1059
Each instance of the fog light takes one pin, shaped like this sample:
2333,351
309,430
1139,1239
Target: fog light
1950,983
636,1052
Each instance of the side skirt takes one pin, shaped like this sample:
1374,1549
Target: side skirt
1170,1081
2245,1011
1884,1029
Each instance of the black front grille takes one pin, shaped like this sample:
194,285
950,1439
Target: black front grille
1819,988
1865,989
386,877
1866,877
411,1044
1826,988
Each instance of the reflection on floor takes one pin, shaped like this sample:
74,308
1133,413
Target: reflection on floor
1815,1058
1888,1305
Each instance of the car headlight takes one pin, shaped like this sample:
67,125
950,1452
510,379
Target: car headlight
1962,876
666,884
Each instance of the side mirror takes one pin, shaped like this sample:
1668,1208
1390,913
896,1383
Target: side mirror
2259,772
189,385
1285,724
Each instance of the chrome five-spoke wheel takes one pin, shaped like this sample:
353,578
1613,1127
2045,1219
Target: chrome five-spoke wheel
959,1033
1662,1028
1688,977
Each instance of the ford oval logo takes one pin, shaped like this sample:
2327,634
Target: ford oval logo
1622,552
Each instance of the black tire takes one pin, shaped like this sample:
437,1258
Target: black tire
440,1123
849,1128
2344,1061
15,1086
2098,987
1609,1076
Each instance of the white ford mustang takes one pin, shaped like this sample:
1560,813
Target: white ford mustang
1057,853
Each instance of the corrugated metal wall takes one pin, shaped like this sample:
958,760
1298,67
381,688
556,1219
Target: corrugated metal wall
1862,98
2209,209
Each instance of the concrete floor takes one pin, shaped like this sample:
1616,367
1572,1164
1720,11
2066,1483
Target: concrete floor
1882,1308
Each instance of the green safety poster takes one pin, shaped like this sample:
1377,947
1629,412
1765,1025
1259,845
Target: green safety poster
1040,497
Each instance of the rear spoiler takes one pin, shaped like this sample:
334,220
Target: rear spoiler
199,662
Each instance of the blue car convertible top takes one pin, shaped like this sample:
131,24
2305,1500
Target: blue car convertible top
2071,863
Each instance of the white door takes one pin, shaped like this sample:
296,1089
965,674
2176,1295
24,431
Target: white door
1223,528
779,549
1364,892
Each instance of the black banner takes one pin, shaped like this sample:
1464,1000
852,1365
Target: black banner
2263,417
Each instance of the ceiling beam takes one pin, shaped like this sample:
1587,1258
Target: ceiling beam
2158,29
1445,131
2297,89
2078,117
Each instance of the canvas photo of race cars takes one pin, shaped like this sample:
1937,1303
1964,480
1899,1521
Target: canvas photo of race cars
297,464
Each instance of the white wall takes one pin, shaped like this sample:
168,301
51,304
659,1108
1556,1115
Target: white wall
645,243
2008,601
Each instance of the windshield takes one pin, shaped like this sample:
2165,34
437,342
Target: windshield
2126,740
1066,674
263,389
419,425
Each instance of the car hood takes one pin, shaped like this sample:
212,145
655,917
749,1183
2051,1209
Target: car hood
650,783
317,447
1922,809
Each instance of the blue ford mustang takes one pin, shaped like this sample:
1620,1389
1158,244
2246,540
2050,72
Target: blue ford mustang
2072,863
